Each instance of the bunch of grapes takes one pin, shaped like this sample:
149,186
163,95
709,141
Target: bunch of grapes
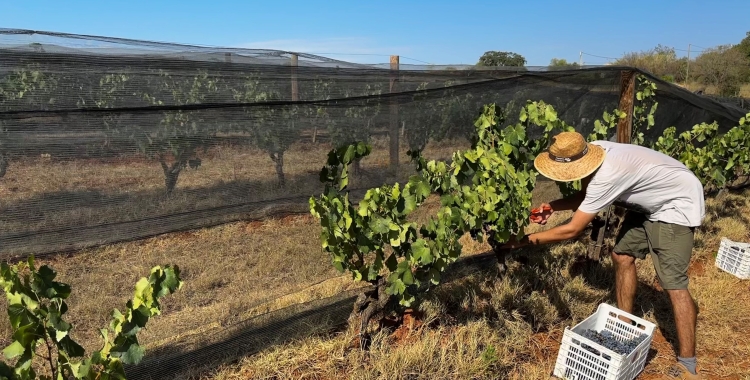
610,341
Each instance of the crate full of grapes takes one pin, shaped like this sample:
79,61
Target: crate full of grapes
605,347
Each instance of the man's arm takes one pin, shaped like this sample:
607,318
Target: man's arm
567,231
569,203
574,201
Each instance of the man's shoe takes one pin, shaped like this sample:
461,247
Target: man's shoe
679,372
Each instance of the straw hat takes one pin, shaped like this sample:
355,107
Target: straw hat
569,158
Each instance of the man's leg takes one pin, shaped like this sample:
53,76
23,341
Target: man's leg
685,315
626,281
631,243
672,248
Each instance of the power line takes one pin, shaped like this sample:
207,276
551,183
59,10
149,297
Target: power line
414,59
372,54
691,50
599,56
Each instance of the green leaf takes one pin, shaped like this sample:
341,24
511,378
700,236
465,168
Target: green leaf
407,278
550,114
363,209
60,334
142,292
133,355
410,204
730,164
391,262
421,252
28,333
70,347
171,281
379,225
14,350
349,154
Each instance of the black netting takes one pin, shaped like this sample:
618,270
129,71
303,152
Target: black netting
105,139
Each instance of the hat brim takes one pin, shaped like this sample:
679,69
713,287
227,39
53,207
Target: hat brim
570,171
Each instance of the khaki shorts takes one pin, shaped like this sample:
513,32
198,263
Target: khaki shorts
670,246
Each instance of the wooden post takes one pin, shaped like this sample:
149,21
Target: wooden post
624,134
295,85
627,97
393,127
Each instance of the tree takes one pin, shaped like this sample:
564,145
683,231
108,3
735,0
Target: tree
501,58
27,88
175,140
359,119
723,67
562,64
744,46
427,119
110,91
319,115
660,61
273,129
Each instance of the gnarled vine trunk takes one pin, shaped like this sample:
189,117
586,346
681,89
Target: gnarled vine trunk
3,165
171,173
278,159
499,255
373,304
357,168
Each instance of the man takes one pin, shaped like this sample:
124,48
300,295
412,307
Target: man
666,203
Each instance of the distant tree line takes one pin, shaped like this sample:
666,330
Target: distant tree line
721,70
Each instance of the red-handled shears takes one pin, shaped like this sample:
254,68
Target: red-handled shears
537,214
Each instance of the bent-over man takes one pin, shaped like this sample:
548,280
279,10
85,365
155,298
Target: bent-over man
665,203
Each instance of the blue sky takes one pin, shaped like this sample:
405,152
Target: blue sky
440,32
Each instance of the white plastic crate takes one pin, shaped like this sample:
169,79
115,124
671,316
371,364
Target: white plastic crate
580,358
734,257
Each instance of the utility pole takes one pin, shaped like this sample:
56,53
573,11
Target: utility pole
687,71
580,59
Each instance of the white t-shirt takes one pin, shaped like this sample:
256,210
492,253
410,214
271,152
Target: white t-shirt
646,181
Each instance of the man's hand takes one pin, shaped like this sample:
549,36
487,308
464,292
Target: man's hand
562,232
542,214
514,242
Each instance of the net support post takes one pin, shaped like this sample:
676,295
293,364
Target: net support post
295,86
624,133
393,130
627,98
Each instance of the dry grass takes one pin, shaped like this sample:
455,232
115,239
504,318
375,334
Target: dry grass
232,272
47,194
473,327
476,327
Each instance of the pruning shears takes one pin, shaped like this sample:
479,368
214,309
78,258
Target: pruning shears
537,214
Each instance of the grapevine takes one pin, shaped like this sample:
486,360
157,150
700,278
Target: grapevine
37,306
484,191
718,160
